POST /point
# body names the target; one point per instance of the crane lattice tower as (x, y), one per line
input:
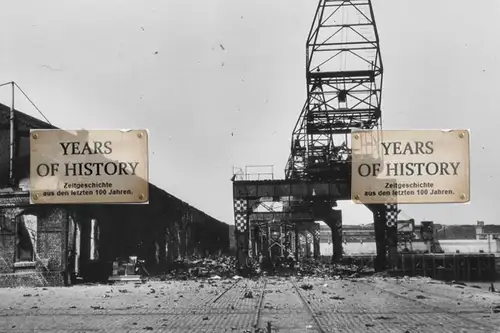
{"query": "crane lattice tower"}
(344, 90)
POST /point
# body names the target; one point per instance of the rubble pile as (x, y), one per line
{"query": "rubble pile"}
(312, 268)
(221, 266)
(193, 267)
(319, 269)
(225, 267)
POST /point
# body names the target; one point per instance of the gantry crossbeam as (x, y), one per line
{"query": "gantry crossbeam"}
(253, 190)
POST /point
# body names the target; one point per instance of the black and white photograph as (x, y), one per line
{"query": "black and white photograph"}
(284, 166)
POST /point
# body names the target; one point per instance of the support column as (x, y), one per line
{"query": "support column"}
(334, 221)
(242, 234)
(256, 240)
(288, 242)
(162, 243)
(297, 243)
(392, 245)
(269, 240)
(307, 237)
(265, 247)
(281, 240)
(183, 242)
(379, 223)
(241, 249)
(316, 240)
(177, 241)
(391, 217)
(252, 240)
(323, 210)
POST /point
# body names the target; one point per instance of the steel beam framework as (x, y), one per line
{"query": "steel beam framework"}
(344, 89)
(291, 190)
(344, 75)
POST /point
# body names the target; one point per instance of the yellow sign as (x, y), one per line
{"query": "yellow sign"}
(410, 166)
(98, 166)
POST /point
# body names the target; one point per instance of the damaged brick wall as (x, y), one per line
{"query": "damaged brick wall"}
(51, 238)
(48, 251)
(159, 232)
(7, 245)
(8, 238)
(48, 242)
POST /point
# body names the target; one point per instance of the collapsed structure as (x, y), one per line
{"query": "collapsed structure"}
(55, 244)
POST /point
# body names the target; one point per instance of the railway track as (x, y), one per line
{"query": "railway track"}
(308, 307)
(431, 306)
(215, 299)
(261, 325)
(266, 305)
(258, 310)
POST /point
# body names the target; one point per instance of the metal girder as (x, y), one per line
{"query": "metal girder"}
(253, 190)
(256, 217)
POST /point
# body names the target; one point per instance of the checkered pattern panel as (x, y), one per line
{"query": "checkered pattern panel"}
(391, 215)
(240, 222)
(240, 205)
(317, 234)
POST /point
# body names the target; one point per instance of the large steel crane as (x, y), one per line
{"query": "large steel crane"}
(344, 89)
(344, 74)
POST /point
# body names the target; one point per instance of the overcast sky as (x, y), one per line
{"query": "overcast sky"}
(221, 83)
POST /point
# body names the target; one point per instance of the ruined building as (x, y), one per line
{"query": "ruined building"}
(55, 244)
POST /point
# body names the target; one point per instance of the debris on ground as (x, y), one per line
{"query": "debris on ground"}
(383, 318)
(306, 286)
(194, 267)
(225, 267)
(337, 298)
(317, 268)
(248, 294)
(458, 283)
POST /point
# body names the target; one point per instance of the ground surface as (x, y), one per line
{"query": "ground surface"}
(349, 305)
